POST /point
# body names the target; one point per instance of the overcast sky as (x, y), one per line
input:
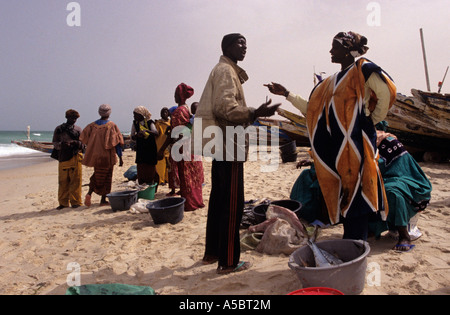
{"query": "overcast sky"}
(128, 53)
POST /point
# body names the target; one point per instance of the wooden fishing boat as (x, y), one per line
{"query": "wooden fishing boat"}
(293, 129)
(422, 122)
(128, 143)
(46, 147)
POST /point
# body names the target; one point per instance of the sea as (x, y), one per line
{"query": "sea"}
(14, 156)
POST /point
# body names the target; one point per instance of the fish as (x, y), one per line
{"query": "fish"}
(319, 257)
(322, 257)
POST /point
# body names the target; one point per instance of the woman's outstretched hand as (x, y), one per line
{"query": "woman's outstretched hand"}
(276, 88)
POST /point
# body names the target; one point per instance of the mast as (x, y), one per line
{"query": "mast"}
(425, 61)
(443, 80)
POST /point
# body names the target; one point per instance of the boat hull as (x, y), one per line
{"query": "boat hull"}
(46, 147)
(422, 121)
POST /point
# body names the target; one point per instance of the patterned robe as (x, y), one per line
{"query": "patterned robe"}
(343, 143)
(190, 172)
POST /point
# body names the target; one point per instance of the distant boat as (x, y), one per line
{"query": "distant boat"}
(422, 122)
(46, 147)
(128, 143)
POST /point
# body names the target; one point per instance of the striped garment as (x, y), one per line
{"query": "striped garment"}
(343, 143)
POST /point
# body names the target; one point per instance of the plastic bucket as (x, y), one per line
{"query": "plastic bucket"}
(289, 152)
(168, 210)
(349, 277)
(259, 211)
(122, 200)
(288, 148)
(286, 158)
(148, 193)
(317, 291)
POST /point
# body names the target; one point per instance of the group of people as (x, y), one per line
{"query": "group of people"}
(347, 184)
(100, 146)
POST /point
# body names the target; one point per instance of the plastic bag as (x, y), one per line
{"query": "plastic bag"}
(131, 173)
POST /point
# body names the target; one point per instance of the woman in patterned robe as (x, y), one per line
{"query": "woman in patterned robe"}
(190, 172)
(341, 114)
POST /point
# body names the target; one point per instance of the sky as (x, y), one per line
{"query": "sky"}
(129, 53)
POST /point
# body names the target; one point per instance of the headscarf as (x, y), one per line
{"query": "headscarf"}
(184, 92)
(354, 42)
(104, 110)
(72, 113)
(229, 40)
(143, 111)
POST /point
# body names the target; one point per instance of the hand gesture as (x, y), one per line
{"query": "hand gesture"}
(304, 163)
(276, 88)
(265, 110)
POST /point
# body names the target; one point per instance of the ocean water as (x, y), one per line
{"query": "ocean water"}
(13, 156)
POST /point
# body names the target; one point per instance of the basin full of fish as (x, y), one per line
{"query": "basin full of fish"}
(322, 258)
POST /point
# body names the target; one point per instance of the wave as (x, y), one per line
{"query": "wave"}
(13, 149)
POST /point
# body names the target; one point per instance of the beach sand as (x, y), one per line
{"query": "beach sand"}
(39, 244)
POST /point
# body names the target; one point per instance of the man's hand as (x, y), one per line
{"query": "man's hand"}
(265, 110)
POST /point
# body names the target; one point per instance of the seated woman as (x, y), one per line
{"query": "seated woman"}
(407, 188)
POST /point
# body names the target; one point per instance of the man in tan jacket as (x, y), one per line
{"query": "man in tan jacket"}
(222, 108)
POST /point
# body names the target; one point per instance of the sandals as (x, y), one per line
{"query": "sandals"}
(242, 266)
(400, 248)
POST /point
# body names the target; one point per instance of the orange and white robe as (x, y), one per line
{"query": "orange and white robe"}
(343, 142)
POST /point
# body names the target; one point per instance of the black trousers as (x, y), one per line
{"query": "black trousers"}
(356, 228)
(226, 206)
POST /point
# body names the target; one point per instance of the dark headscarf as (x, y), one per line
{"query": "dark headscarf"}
(355, 43)
(229, 40)
(184, 92)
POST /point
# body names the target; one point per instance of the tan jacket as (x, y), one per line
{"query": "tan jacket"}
(222, 105)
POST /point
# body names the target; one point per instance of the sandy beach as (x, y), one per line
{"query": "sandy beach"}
(38, 243)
